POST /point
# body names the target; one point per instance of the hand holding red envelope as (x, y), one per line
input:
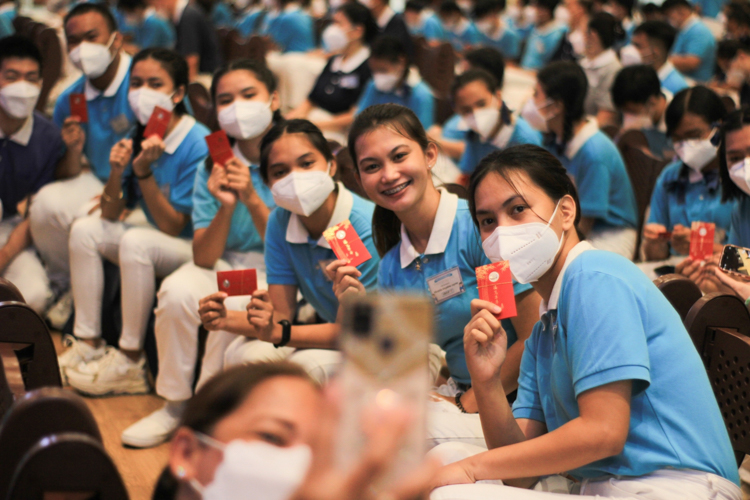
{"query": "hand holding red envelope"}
(346, 243)
(219, 147)
(79, 108)
(158, 123)
(702, 240)
(495, 285)
(240, 282)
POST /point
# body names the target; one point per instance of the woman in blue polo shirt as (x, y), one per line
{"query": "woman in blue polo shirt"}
(608, 208)
(231, 205)
(389, 62)
(298, 166)
(611, 389)
(289, 26)
(163, 172)
(478, 100)
(546, 36)
(688, 189)
(424, 234)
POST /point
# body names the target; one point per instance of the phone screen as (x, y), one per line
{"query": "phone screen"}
(736, 259)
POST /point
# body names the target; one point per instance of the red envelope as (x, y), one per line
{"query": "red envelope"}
(218, 146)
(346, 243)
(495, 285)
(240, 282)
(79, 108)
(158, 123)
(702, 240)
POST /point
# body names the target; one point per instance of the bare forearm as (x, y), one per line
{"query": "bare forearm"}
(259, 212)
(209, 243)
(69, 165)
(167, 219)
(499, 426)
(112, 204)
(19, 239)
(193, 61)
(511, 367)
(454, 149)
(685, 63)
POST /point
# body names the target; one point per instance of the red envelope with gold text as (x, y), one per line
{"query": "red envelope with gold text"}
(495, 285)
(346, 243)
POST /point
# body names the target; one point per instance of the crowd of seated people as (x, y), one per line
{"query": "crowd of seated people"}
(518, 156)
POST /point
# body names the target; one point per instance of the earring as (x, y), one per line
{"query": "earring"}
(180, 471)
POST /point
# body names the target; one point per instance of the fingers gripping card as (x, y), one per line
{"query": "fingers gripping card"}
(702, 240)
(346, 243)
(240, 282)
(496, 285)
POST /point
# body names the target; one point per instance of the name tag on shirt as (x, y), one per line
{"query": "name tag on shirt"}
(120, 123)
(446, 285)
(349, 82)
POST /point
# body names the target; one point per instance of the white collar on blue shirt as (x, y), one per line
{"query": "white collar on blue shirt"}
(23, 134)
(385, 17)
(555, 294)
(8, 7)
(665, 70)
(122, 71)
(352, 63)
(296, 231)
(583, 135)
(441, 230)
(178, 134)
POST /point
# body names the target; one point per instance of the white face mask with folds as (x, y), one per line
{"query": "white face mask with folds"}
(246, 119)
(143, 101)
(696, 153)
(334, 38)
(529, 248)
(19, 98)
(302, 193)
(740, 175)
(483, 120)
(533, 115)
(255, 469)
(92, 58)
(385, 82)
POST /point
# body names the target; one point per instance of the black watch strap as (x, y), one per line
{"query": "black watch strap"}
(286, 333)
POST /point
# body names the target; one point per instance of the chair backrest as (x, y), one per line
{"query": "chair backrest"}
(238, 47)
(19, 324)
(727, 358)
(611, 130)
(67, 462)
(6, 394)
(49, 45)
(9, 292)
(437, 65)
(680, 291)
(716, 310)
(22, 25)
(39, 413)
(200, 100)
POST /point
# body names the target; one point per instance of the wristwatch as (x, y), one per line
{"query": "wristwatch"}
(286, 333)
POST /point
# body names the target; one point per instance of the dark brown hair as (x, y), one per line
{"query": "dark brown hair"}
(736, 120)
(296, 126)
(386, 226)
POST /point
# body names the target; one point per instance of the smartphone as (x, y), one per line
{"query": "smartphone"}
(736, 260)
(385, 341)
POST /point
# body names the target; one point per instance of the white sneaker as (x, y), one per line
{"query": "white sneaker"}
(114, 373)
(155, 428)
(60, 312)
(77, 352)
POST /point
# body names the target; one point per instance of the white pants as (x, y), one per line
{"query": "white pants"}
(297, 73)
(143, 254)
(51, 214)
(664, 484)
(177, 322)
(446, 423)
(620, 240)
(26, 271)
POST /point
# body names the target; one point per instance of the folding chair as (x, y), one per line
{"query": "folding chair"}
(9, 292)
(680, 291)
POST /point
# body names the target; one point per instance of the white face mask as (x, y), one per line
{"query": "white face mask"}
(385, 82)
(486, 27)
(740, 175)
(246, 119)
(636, 122)
(534, 117)
(334, 38)
(255, 468)
(529, 248)
(143, 101)
(529, 15)
(19, 98)
(303, 193)
(483, 120)
(92, 58)
(696, 153)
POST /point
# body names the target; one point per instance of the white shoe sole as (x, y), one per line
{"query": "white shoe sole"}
(93, 389)
(150, 442)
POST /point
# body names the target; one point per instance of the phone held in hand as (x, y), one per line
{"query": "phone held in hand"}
(735, 260)
(385, 341)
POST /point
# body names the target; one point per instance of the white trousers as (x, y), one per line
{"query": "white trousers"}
(51, 214)
(143, 254)
(296, 73)
(620, 240)
(177, 323)
(446, 423)
(664, 484)
(26, 271)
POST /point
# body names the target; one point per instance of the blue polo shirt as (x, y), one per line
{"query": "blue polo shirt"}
(454, 245)
(110, 116)
(251, 23)
(674, 81)
(710, 8)
(476, 149)
(433, 29)
(468, 37)
(739, 232)
(606, 323)
(418, 99)
(676, 200)
(243, 236)
(154, 31)
(28, 160)
(175, 170)
(221, 15)
(541, 45)
(8, 12)
(292, 30)
(6, 26)
(597, 169)
(507, 41)
(452, 128)
(293, 258)
(696, 39)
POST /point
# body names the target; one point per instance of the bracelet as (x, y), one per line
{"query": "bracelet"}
(286, 333)
(458, 402)
(142, 177)
(110, 199)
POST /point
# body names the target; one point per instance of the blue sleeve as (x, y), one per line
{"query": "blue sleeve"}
(279, 269)
(528, 403)
(222, 15)
(205, 205)
(158, 33)
(181, 191)
(6, 27)
(450, 129)
(660, 204)
(433, 30)
(701, 45)
(423, 105)
(511, 43)
(62, 109)
(592, 180)
(367, 98)
(471, 37)
(605, 340)
(246, 25)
